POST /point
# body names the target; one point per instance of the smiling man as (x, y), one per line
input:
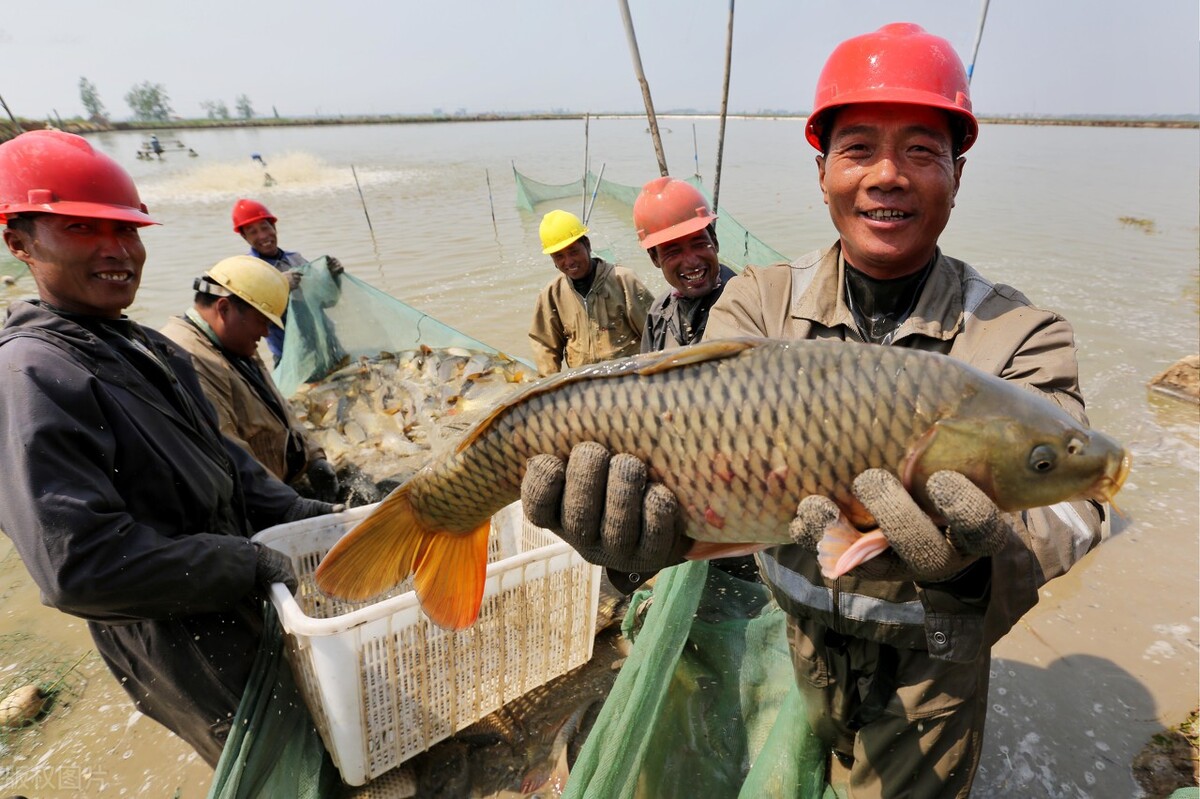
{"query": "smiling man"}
(892, 658)
(126, 504)
(678, 230)
(257, 226)
(593, 311)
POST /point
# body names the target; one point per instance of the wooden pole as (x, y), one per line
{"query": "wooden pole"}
(641, 76)
(724, 108)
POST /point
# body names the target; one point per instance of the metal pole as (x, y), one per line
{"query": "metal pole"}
(724, 108)
(588, 214)
(978, 39)
(641, 76)
(696, 151)
(583, 208)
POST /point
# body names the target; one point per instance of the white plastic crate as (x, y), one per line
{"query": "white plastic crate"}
(384, 683)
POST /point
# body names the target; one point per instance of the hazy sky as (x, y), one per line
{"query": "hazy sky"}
(307, 57)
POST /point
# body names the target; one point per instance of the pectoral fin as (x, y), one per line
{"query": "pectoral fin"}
(843, 548)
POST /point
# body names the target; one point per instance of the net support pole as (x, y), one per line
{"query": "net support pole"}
(586, 119)
(641, 76)
(724, 108)
(978, 39)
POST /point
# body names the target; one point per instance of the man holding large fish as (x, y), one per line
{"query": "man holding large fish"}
(958, 469)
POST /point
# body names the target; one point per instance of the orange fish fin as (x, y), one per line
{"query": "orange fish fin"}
(707, 550)
(842, 548)
(697, 353)
(376, 554)
(450, 574)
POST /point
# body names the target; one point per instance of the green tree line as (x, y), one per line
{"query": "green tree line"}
(150, 102)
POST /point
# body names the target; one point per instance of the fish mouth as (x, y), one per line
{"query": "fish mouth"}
(1110, 483)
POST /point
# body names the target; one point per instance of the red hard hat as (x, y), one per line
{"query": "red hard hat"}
(247, 212)
(53, 172)
(899, 63)
(668, 209)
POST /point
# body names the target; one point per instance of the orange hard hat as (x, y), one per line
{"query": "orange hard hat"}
(247, 212)
(899, 63)
(54, 172)
(668, 209)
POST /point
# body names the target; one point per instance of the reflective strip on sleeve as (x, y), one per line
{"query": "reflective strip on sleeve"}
(856, 607)
(1083, 538)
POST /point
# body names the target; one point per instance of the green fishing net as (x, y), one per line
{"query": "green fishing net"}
(706, 698)
(333, 319)
(273, 748)
(739, 246)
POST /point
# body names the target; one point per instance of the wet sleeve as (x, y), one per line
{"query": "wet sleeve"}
(85, 550)
(547, 338)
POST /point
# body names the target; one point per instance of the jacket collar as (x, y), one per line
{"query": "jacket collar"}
(937, 315)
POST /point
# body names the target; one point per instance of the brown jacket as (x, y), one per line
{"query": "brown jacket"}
(244, 417)
(572, 330)
(963, 315)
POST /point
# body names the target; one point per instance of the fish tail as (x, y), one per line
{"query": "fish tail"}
(376, 554)
(451, 571)
(842, 548)
(391, 544)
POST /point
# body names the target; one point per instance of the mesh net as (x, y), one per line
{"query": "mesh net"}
(707, 697)
(739, 246)
(334, 319)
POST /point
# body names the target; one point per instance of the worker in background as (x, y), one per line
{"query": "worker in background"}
(256, 225)
(678, 230)
(235, 302)
(126, 504)
(892, 659)
(593, 311)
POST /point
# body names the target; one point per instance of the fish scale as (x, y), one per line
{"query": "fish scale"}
(740, 431)
(827, 411)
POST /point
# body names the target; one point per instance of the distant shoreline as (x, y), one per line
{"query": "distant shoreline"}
(85, 127)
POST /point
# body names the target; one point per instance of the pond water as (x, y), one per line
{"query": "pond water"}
(1099, 224)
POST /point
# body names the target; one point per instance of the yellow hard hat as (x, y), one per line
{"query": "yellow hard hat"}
(257, 282)
(560, 229)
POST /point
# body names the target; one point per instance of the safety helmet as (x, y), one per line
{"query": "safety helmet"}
(257, 282)
(899, 63)
(53, 172)
(560, 229)
(668, 209)
(246, 212)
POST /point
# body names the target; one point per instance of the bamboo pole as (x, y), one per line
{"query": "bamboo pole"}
(724, 109)
(586, 166)
(641, 76)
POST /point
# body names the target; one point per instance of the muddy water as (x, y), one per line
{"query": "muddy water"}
(1099, 224)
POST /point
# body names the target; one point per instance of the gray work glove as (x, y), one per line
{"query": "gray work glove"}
(602, 507)
(323, 479)
(293, 279)
(920, 551)
(307, 508)
(273, 566)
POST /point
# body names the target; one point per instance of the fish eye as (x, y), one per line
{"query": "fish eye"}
(1074, 446)
(1043, 458)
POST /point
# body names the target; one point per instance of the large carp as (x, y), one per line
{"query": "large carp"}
(740, 430)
